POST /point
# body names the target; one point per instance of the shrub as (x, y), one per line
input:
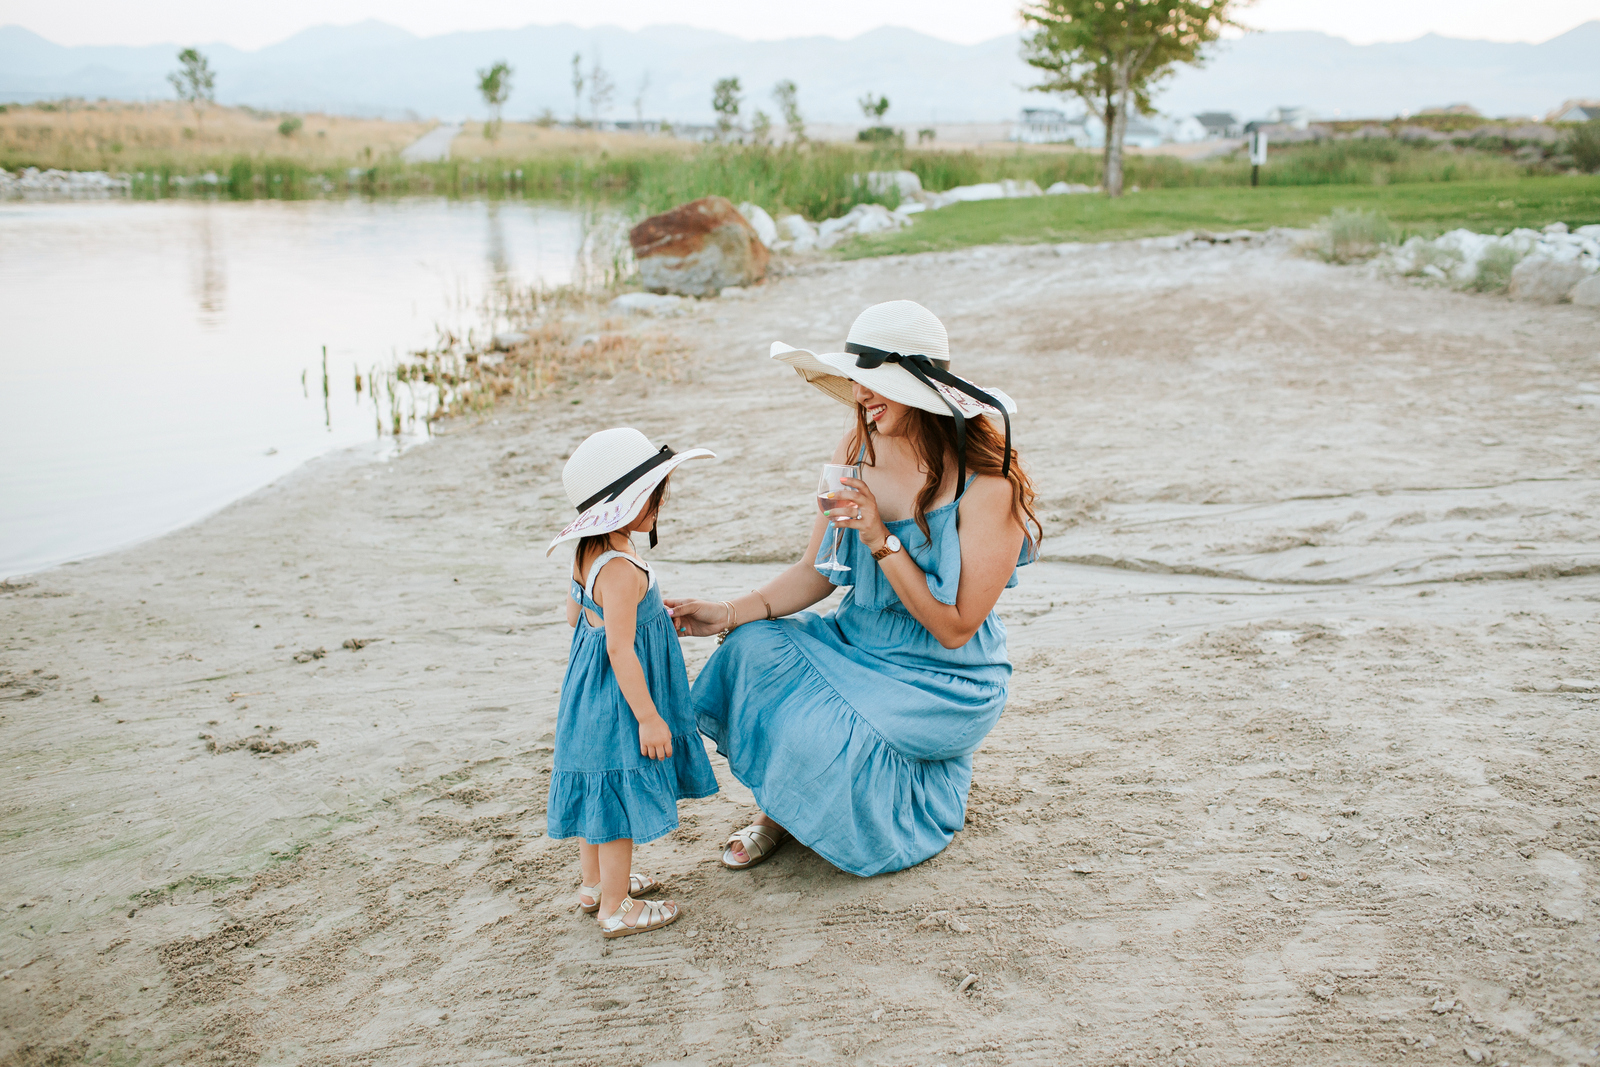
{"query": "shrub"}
(289, 126)
(1583, 144)
(1346, 236)
(1494, 270)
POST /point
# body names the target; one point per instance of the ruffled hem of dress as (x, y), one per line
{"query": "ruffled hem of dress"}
(640, 804)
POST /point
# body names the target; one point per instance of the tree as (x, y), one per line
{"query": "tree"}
(638, 98)
(1110, 53)
(787, 94)
(494, 85)
(194, 81)
(874, 109)
(725, 102)
(760, 127)
(577, 88)
(601, 89)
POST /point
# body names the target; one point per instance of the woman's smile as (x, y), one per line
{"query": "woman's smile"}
(875, 411)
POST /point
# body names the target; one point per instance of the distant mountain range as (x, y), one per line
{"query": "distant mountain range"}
(372, 68)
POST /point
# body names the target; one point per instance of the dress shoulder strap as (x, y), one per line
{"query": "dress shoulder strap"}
(606, 557)
(970, 479)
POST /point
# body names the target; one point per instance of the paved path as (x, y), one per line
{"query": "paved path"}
(433, 145)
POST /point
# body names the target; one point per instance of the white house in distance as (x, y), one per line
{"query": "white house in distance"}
(1039, 125)
(1575, 111)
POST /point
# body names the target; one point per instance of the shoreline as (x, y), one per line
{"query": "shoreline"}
(1295, 752)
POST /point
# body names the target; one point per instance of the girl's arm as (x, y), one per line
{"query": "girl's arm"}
(796, 588)
(619, 588)
(572, 610)
(991, 540)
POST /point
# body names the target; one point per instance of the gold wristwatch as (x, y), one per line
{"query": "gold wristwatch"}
(892, 544)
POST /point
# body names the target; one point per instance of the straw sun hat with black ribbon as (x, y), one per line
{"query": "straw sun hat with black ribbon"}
(610, 477)
(900, 351)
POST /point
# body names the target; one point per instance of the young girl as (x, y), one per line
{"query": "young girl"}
(626, 745)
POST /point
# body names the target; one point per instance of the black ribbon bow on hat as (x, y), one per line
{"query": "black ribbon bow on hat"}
(614, 490)
(927, 371)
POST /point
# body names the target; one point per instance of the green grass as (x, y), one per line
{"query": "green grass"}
(1419, 207)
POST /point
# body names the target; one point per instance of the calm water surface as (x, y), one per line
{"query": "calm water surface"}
(151, 354)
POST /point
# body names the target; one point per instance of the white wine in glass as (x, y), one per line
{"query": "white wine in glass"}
(828, 490)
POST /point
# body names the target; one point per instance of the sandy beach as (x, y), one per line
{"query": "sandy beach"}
(1299, 764)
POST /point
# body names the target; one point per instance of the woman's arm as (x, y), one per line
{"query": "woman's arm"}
(620, 585)
(572, 610)
(991, 540)
(796, 588)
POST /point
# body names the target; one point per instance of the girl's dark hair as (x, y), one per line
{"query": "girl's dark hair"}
(589, 548)
(933, 437)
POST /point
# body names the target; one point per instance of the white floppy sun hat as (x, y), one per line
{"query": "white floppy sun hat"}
(610, 477)
(900, 350)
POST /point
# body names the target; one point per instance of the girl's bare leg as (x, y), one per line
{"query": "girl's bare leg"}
(615, 860)
(589, 863)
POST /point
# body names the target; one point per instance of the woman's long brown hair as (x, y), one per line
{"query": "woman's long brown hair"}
(933, 437)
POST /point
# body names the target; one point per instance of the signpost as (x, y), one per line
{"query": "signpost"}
(1258, 155)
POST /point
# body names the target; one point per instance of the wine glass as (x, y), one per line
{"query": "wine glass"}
(828, 490)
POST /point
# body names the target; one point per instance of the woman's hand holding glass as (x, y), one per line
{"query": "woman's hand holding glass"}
(858, 511)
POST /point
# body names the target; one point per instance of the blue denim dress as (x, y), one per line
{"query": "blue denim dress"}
(855, 730)
(601, 788)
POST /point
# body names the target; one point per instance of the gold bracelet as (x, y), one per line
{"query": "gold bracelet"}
(733, 621)
(764, 602)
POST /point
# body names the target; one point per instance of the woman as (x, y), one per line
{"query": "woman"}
(855, 731)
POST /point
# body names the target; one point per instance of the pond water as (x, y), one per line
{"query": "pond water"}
(159, 360)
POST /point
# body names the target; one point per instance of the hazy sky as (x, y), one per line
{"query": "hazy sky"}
(254, 25)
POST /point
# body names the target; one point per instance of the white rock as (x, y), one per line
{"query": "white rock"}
(761, 222)
(1069, 188)
(649, 304)
(1587, 292)
(1556, 227)
(733, 292)
(881, 182)
(911, 208)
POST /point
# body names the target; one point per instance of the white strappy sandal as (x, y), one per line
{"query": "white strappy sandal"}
(758, 840)
(653, 915)
(638, 886)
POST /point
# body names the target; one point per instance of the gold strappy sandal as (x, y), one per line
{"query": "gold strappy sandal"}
(638, 886)
(759, 842)
(653, 915)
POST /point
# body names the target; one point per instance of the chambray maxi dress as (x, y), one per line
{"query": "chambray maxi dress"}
(601, 787)
(855, 730)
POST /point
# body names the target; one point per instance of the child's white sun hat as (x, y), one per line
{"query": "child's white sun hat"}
(900, 350)
(610, 477)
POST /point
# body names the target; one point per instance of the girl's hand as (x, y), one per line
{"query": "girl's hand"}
(655, 738)
(858, 511)
(697, 618)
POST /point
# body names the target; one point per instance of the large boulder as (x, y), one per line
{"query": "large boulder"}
(698, 249)
(1546, 281)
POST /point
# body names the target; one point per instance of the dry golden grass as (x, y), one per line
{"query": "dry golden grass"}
(130, 137)
(525, 140)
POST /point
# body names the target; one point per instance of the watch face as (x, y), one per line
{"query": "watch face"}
(892, 543)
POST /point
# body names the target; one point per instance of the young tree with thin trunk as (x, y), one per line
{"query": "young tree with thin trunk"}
(195, 82)
(494, 85)
(1110, 53)
(601, 88)
(638, 99)
(725, 100)
(577, 89)
(787, 94)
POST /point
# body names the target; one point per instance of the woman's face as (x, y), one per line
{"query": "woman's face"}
(888, 416)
